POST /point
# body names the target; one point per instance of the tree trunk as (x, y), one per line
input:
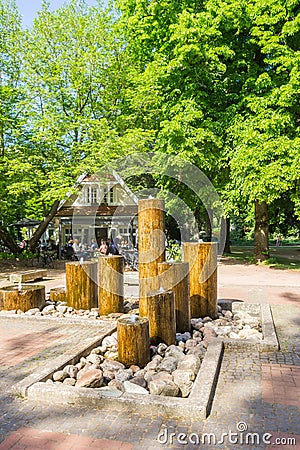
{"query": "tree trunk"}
(208, 223)
(9, 241)
(33, 242)
(261, 231)
(227, 248)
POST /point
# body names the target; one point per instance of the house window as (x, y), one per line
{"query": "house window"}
(92, 195)
(108, 197)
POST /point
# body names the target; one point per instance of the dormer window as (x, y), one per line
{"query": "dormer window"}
(92, 195)
(108, 196)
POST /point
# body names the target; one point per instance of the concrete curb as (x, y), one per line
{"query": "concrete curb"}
(196, 405)
(60, 320)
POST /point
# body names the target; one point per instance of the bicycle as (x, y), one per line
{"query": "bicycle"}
(47, 259)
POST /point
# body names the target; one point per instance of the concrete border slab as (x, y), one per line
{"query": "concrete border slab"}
(196, 405)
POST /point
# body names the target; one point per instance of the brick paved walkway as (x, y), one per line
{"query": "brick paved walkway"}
(259, 392)
(31, 438)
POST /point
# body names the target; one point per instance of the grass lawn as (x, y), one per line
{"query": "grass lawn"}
(284, 257)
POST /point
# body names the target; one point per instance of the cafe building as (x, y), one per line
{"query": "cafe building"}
(103, 207)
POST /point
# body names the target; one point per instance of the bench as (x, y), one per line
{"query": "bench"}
(28, 275)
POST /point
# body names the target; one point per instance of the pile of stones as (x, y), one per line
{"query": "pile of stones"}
(240, 325)
(171, 371)
(60, 309)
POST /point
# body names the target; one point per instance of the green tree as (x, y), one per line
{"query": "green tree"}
(74, 78)
(223, 80)
(11, 114)
(265, 136)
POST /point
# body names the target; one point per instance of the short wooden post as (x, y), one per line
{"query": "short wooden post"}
(81, 284)
(58, 294)
(133, 341)
(175, 276)
(202, 258)
(151, 234)
(25, 298)
(111, 284)
(161, 315)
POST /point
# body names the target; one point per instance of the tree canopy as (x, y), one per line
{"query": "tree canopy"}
(214, 82)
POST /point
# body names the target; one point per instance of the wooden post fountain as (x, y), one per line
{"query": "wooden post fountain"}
(23, 297)
(151, 233)
(58, 294)
(202, 258)
(111, 284)
(81, 284)
(161, 315)
(175, 277)
(133, 340)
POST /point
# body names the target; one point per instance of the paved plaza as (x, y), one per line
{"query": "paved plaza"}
(256, 403)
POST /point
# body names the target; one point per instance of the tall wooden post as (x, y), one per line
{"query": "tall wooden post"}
(111, 284)
(151, 239)
(81, 284)
(133, 341)
(161, 315)
(202, 258)
(175, 276)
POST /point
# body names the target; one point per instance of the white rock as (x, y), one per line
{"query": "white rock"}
(190, 362)
(32, 311)
(132, 388)
(71, 370)
(109, 341)
(61, 309)
(48, 309)
(60, 375)
(94, 359)
(184, 380)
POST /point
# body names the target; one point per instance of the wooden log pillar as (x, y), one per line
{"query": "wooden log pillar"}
(202, 258)
(111, 284)
(151, 241)
(25, 298)
(81, 284)
(58, 294)
(133, 340)
(175, 276)
(161, 315)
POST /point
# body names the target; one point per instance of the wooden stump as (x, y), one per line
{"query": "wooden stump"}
(111, 284)
(202, 258)
(175, 277)
(151, 233)
(161, 315)
(81, 285)
(58, 294)
(28, 297)
(133, 341)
